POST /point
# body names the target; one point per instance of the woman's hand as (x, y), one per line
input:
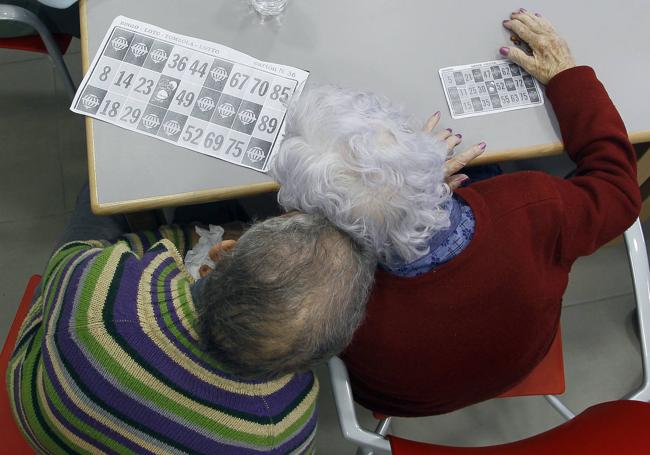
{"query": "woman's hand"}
(551, 54)
(457, 162)
(215, 253)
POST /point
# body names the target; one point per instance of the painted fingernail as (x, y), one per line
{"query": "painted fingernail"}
(437, 114)
(448, 129)
(482, 145)
(459, 136)
(505, 21)
(522, 10)
(538, 15)
(504, 51)
(460, 180)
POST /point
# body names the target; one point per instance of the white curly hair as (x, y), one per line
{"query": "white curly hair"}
(359, 160)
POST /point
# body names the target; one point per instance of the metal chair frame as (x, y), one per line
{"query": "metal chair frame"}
(60, 4)
(18, 14)
(370, 441)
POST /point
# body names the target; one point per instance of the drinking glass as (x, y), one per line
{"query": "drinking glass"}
(269, 7)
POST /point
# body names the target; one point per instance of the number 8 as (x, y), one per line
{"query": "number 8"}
(104, 75)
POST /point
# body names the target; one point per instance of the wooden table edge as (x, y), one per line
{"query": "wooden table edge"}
(90, 141)
(174, 200)
(197, 197)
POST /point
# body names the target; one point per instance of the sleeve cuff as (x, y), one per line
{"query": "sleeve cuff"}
(574, 84)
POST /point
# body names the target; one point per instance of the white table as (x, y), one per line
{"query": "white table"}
(391, 47)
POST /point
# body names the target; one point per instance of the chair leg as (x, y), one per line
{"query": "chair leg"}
(18, 14)
(638, 258)
(560, 407)
(382, 428)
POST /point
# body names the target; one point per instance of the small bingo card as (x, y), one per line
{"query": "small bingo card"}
(200, 95)
(489, 87)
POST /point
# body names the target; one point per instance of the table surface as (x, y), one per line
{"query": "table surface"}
(391, 47)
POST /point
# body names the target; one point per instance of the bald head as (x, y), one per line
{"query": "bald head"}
(288, 296)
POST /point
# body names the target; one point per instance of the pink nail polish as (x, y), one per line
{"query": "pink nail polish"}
(448, 129)
(437, 114)
(522, 10)
(482, 145)
(504, 51)
(464, 179)
(538, 15)
(459, 136)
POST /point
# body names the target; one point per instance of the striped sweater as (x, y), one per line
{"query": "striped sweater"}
(108, 360)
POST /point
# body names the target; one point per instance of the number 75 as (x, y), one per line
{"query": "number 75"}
(237, 146)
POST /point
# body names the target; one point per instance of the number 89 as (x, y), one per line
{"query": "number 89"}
(268, 124)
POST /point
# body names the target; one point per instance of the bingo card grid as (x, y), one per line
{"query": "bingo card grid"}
(215, 106)
(489, 87)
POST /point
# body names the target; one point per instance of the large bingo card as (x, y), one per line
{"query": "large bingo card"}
(200, 95)
(489, 87)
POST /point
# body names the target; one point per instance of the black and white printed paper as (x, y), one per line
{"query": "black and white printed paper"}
(200, 95)
(489, 87)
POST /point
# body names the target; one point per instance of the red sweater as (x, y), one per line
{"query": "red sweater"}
(475, 326)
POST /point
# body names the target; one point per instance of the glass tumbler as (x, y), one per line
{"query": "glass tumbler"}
(269, 7)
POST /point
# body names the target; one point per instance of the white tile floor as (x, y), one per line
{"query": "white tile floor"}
(43, 165)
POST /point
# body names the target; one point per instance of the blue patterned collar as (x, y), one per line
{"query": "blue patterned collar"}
(443, 245)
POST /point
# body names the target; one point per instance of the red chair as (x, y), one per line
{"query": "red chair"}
(13, 441)
(546, 379)
(44, 42)
(612, 428)
(607, 428)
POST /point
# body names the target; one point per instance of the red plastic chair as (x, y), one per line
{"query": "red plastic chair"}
(34, 43)
(612, 428)
(607, 428)
(43, 42)
(546, 379)
(13, 441)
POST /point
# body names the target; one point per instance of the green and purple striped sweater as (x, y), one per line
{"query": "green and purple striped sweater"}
(108, 361)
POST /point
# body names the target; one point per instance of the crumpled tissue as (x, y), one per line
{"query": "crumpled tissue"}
(198, 255)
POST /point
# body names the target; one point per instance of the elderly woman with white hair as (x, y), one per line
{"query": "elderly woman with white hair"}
(468, 296)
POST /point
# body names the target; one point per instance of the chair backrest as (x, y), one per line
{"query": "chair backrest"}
(547, 378)
(34, 43)
(641, 278)
(14, 13)
(614, 427)
(60, 4)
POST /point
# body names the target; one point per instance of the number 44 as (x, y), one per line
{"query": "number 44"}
(195, 68)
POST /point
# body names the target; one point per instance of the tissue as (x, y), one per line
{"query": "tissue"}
(198, 255)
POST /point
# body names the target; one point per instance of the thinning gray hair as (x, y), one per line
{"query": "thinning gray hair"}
(365, 165)
(288, 296)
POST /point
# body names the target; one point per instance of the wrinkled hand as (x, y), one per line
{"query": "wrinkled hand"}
(550, 53)
(218, 250)
(215, 254)
(454, 163)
